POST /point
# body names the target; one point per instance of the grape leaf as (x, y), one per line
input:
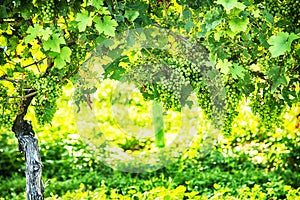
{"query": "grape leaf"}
(84, 20)
(63, 57)
(37, 31)
(188, 26)
(32, 33)
(236, 25)
(237, 71)
(54, 43)
(96, 3)
(281, 43)
(66, 53)
(45, 33)
(277, 78)
(187, 13)
(223, 66)
(230, 4)
(131, 15)
(107, 26)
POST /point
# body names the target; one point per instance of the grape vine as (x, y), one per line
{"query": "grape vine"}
(255, 46)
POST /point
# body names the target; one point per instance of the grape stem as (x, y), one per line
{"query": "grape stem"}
(26, 96)
(34, 63)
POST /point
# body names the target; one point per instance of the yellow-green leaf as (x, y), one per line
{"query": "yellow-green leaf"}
(84, 19)
(230, 4)
(106, 26)
(238, 25)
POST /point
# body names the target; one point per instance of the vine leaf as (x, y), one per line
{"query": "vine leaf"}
(107, 26)
(237, 71)
(37, 31)
(96, 3)
(131, 15)
(187, 13)
(45, 33)
(277, 78)
(188, 26)
(84, 20)
(63, 57)
(281, 43)
(32, 32)
(230, 4)
(224, 66)
(54, 43)
(238, 25)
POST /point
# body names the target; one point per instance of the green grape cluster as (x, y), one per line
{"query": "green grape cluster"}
(47, 10)
(196, 3)
(78, 53)
(268, 107)
(233, 97)
(204, 99)
(45, 101)
(158, 79)
(288, 10)
(5, 120)
(170, 79)
(9, 107)
(3, 91)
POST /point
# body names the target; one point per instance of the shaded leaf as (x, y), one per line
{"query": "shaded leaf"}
(187, 13)
(188, 26)
(131, 15)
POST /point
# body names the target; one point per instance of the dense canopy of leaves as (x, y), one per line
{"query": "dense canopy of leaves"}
(44, 43)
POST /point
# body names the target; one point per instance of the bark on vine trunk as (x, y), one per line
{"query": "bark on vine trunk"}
(28, 145)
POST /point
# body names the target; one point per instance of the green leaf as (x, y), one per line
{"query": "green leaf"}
(107, 26)
(84, 20)
(54, 43)
(188, 26)
(32, 32)
(238, 25)
(281, 43)
(59, 62)
(237, 71)
(187, 13)
(45, 33)
(131, 15)
(66, 53)
(268, 16)
(3, 12)
(113, 70)
(37, 31)
(277, 78)
(224, 66)
(96, 3)
(281, 80)
(230, 4)
(63, 57)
